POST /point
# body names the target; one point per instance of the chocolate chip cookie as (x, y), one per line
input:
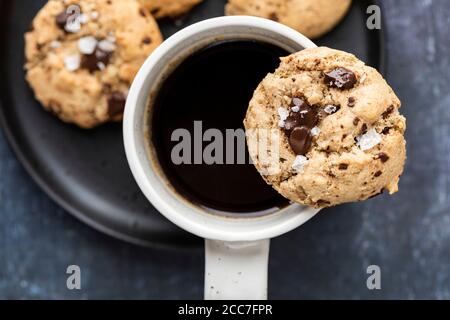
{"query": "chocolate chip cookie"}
(82, 55)
(169, 8)
(313, 18)
(325, 129)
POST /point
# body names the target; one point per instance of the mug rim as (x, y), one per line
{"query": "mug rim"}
(207, 226)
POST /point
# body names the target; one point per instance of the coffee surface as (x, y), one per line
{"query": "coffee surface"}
(214, 86)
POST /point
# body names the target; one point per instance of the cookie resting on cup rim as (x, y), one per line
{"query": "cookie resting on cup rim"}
(340, 134)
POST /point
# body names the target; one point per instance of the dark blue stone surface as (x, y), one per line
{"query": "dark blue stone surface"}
(407, 235)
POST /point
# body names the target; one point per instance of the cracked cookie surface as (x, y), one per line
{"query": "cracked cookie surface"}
(81, 56)
(354, 148)
(313, 18)
(169, 8)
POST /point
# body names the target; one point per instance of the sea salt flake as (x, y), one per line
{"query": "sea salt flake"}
(299, 163)
(72, 62)
(295, 109)
(87, 45)
(101, 65)
(107, 46)
(73, 26)
(369, 140)
(330, 109)
(283, 113)
(315, 131)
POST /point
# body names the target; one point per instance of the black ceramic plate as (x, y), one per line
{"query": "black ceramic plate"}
(86, 172)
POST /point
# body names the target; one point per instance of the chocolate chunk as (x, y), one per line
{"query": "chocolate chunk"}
(340, 78)
(364, 128)
(356, 121)
(298, 125)
(147, 40)
(351, 102)
(300, 140)
(343, 166)
(388, 112)
(377, 174)
(116, 103)
(383, 157)
(386, 130)
(306, 116)
(93, 61)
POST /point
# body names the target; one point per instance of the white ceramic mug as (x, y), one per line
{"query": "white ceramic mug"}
(236, 247)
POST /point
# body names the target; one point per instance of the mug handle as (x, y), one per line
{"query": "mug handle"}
(236, 270)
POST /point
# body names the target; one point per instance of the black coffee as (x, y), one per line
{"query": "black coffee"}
(214, 86)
